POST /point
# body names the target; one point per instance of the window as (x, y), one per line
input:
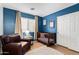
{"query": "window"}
(24, 23)
(28, 25)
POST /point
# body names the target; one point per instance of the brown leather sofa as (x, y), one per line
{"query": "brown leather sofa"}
(14, 45)
(46, 38)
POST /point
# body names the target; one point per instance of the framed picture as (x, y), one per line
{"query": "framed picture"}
(44, 22)
(51, 24)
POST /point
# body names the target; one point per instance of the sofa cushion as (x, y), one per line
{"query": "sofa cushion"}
(19, 44)
(23, 43)
(44, 40)
(14, 38)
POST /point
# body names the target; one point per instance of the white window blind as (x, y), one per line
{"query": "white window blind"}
(28, 24)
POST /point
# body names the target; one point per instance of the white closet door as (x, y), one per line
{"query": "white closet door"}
(76, 32)
(68, 31)
(1, 20)
(59, 31)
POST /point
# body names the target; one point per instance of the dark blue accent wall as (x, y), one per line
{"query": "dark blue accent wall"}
(40, 24)
(54, 16)
(9, 18)
(27, 15)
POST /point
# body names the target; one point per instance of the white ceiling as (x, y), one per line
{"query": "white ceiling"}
(41, 9)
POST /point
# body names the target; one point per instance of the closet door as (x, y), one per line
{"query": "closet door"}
(68, 30)
(1, 20)
(62, 31)
(75, 35)
(59, 31)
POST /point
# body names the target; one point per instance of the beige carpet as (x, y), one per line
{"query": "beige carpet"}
(44, 50)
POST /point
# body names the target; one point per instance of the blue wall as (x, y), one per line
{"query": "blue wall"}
(9, 17)
(40, 24)
(27, 15)
(54, 16)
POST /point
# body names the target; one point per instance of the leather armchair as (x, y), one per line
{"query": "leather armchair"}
(13, 44)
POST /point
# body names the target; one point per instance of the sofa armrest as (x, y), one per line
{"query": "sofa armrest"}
(12, 45)
(13, 48)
